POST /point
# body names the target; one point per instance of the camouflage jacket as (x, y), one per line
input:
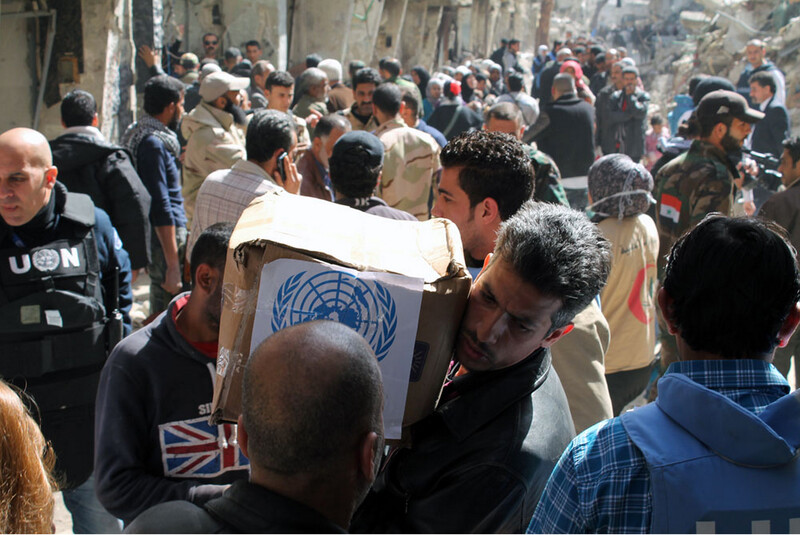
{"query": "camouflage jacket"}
(357, 123)
(688, 188)
(411, 159)
(547, 178)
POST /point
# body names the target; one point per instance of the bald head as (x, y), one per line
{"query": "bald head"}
(27, 175)
(311, 393)
(30, 143)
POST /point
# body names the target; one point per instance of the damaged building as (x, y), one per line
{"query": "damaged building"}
(54, 46)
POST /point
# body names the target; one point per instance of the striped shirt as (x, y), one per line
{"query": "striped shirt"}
(602, 484)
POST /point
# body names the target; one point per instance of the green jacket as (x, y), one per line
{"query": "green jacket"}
(547, 178)
(688, 188)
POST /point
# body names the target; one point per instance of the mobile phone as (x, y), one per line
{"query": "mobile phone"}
(281, 166)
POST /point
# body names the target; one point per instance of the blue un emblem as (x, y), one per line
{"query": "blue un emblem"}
(367, 307)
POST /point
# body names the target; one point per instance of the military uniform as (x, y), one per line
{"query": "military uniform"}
(547, 178)
(306, 105)
(689, 187)
(411, 159)
(357, 122)
(303, 139)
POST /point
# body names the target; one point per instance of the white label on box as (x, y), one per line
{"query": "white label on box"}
(381, 307)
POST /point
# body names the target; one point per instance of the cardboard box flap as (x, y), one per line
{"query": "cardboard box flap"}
(376, 243)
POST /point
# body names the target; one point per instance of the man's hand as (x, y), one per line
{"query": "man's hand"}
(749, 208)
(149, 56)
(293, 178)
(172, 281)
(313, 118)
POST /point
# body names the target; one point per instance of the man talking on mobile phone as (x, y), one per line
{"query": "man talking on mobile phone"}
(226, 193)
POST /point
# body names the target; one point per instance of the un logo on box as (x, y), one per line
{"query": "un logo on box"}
(367, 307)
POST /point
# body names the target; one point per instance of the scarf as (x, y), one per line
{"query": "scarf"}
(145, 126)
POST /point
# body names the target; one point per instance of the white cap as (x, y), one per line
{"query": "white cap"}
(217, 84)
(332, 69)
(207, 69)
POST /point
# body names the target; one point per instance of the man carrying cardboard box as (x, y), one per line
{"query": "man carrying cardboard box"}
(153, 442)
(480, 461)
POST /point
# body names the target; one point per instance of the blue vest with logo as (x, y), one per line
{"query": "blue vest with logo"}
(716, 467)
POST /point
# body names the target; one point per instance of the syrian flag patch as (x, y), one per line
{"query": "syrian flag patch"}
(670, 207)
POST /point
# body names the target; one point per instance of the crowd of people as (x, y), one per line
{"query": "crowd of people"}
(608, 270)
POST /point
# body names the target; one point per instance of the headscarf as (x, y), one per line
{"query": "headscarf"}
(571, 63)
(437, 82)
(424, 78)
(619, 187)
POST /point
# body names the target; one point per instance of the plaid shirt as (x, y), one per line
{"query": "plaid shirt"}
(602, 484)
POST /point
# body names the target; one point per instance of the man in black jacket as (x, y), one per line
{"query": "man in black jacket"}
(569, 137)
(88, 164)
(480, 461)
(769, 132)
(628, 115)
(311, 425)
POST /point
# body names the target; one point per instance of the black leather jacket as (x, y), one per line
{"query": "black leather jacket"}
(479, 463)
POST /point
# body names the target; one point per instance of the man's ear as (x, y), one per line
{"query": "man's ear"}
(241, 436)
(488, 211)
(207, 278)
(556, 335)
(402, 107)
(789, 325)
(95, 122)
(368, 456)
(665, 302)
(50, 177)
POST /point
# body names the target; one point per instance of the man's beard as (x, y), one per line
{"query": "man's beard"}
(173, 123)
(239, 116)
(730, 143)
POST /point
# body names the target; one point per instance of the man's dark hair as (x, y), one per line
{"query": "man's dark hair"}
(600, 58)
(493, 165)
(793, 146)
(232, 53)
(78, 108)
(254, 43)
(329, 123)
(387, 98)
(596, 50)
(693, 81)
(355, 66)
(161, 91)
(353, 180)
(312, 419)
(367, 75)
(280, 79)
(557, 44)
(312, 60)
(392, 66)
(268, 132)
(505, 111)
(733, 282)
(515, 81)
(707, 124)
(764, 79)
(411, 102)
(579, 50)
(513, 41)
(558, 251)
(211, 248)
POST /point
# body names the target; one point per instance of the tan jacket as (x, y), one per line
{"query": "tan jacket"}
(357, 123)
(578, 359)
(213, 142)
(629, 302)
(411, 159)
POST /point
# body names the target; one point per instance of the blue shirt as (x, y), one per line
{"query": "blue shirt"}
(435, 134)
(602, 484)
(158, 169)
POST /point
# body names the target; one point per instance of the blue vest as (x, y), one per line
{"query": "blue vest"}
(716, 467)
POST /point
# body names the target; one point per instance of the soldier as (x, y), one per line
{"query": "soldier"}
(701, 180)
(412, 156)
(505, 117)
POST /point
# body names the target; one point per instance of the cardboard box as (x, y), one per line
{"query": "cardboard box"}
(279, 230)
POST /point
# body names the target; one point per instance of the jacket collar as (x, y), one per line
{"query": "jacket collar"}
(391, 124)
(482, 396)
(707, 150)
(207, 114)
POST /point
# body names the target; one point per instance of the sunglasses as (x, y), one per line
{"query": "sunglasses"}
(210, 42)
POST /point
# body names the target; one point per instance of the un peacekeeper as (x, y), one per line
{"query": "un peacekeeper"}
(64, 301)
(701, 180)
